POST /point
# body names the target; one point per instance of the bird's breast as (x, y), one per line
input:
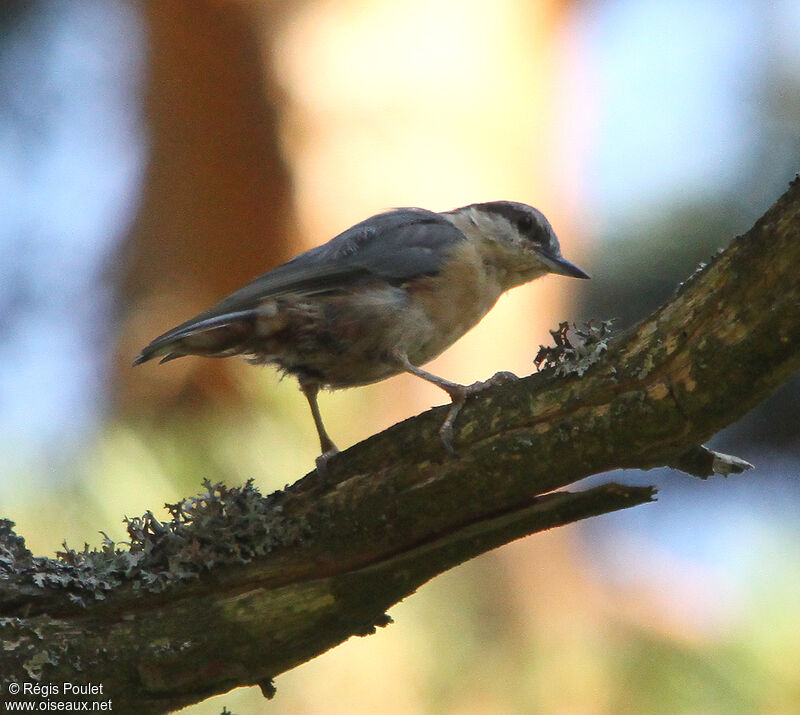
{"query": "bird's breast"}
(453, 301)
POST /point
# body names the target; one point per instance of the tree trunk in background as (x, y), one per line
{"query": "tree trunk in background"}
(216, 206)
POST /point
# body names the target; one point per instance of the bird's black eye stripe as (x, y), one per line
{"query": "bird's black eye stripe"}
(520, 216)
(526, 226)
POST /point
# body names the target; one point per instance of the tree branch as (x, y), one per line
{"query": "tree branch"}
(238, 588)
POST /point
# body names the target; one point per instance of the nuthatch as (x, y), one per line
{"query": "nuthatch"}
(384, 297)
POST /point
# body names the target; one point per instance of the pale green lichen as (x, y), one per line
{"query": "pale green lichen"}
(574, 355)
(221, 525)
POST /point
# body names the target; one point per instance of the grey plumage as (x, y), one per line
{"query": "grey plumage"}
(394, 247)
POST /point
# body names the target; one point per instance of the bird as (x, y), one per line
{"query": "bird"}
(382, 298)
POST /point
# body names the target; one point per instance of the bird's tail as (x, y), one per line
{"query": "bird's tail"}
(217, 336)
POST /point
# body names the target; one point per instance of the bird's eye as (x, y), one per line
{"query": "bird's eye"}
(525, 224)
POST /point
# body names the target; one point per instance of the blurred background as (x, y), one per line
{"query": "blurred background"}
(155, 155)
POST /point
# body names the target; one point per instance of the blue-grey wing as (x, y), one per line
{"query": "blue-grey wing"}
(395, 246)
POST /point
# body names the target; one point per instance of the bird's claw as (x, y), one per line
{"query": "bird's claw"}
(446, 431)
(322, 462)
(499, 378)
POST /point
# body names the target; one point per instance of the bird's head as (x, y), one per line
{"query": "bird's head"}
(519, 238)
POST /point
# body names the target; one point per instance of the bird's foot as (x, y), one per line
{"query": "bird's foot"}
(459, 394)
(322, 462)
(499, 378)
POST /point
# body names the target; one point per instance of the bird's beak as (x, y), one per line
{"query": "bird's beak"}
(562, 266)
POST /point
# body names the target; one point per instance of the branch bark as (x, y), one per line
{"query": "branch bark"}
(396, 509)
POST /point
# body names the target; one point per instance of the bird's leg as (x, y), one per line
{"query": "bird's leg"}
(458, 394)
(325, 442)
